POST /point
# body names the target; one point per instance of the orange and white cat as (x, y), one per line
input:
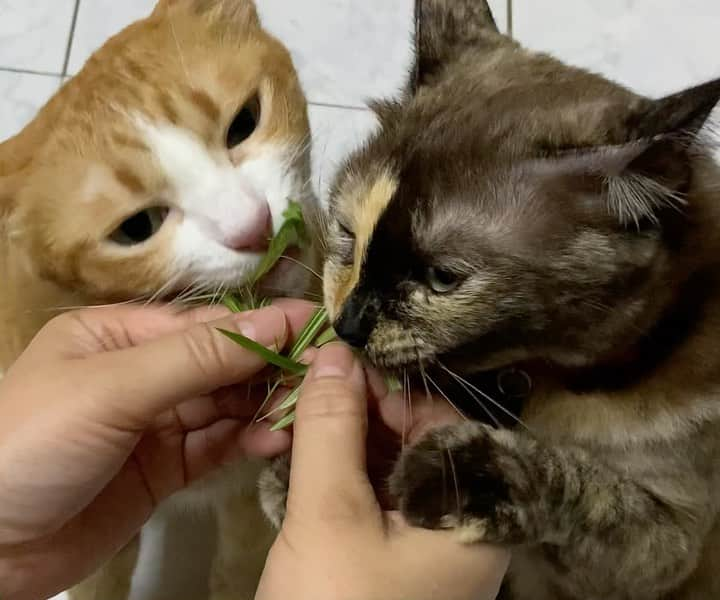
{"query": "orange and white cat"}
(161, 169)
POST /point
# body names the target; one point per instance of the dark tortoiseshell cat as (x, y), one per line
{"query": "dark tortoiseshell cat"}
(516, 212)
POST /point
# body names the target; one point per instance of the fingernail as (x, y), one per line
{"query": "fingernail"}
(333, 361)
(266, 326)
(248, 329)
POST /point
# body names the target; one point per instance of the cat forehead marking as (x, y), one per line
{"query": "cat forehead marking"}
(365, 202)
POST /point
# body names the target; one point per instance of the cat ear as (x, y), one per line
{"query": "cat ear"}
(685, 112)
(443, 28)
(654, 168)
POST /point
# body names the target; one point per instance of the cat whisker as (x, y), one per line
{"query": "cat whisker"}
(178, 299)
(446, 397)
(310, 296)
(303, 265)
(219, 294)
(405, 392)
(423, 376)
(193, 293)
(85, 306)
(409, 395)
(494, 402)
(479, 402)
(190, 292)
(169, 284)
(456, 483)
(300, 148)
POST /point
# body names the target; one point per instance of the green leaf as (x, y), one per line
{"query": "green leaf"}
(232, 303)
(393, 383)
(267, 355)
(309, 333)
(291, 234)
(284, 423)
(290, 401)
(326, 337)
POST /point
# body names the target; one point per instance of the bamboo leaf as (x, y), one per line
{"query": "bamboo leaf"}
(393, 383)
(288, 403)
(309, 333)
(232, 303)
(292, 233)
(326, 337)
(284, 423)
(267, 355)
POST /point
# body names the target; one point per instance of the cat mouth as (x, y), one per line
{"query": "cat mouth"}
(411, 357)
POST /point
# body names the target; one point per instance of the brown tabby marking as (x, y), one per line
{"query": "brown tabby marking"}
(372, 200)
(546, 220)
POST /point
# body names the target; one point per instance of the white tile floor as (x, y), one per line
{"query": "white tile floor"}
(350, 50)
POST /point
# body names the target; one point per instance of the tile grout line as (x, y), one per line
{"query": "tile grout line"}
(343, 106)
(510, 18)
(29, 72)
(60, 75)
(71, 36)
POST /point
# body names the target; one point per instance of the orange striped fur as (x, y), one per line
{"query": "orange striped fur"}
(102, 150)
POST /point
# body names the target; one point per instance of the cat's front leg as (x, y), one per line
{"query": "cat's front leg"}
(274, 485)
(608, 536)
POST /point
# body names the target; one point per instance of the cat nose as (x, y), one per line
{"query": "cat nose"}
(356, 322)
(256, 234)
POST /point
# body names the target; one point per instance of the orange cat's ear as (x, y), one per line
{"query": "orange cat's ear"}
(161, 7)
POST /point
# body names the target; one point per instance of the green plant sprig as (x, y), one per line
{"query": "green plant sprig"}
(316, 332)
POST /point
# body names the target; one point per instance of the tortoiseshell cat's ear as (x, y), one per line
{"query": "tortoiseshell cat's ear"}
(653, 167)
(443, 29)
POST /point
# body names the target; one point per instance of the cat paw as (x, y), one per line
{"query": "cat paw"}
(456, 478)
(274, 484)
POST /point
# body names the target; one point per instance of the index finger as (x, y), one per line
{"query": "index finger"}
(328, 474)
(90, 331)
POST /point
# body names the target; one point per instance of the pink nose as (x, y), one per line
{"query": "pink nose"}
(255, 234)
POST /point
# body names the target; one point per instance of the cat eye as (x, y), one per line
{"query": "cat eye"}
(442, 281)
(244, 124)
(346, 245)
(345, 231)
(140, 227)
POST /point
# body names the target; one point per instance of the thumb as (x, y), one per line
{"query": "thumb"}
(144, 381)
(329, 476)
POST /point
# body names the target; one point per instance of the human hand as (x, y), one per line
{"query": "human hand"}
(107, 413)
(336, 542)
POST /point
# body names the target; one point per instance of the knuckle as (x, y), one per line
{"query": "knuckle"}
(329, 400)
(204, 351)
(64, 322)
